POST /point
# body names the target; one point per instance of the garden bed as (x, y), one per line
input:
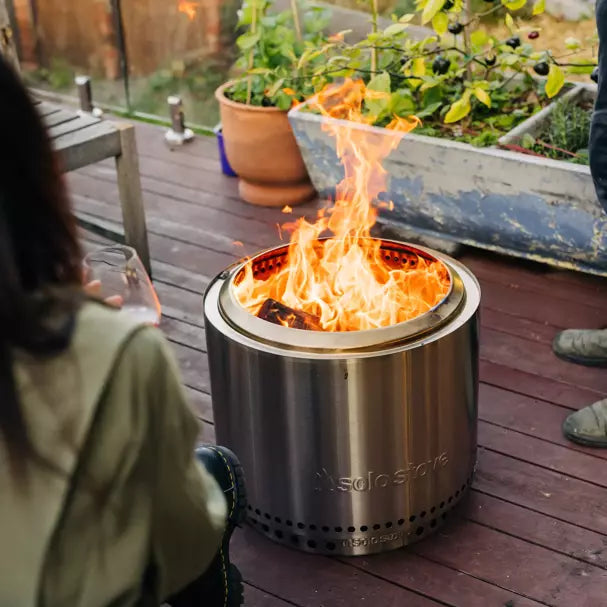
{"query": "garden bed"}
(524, 205)
(560, 131)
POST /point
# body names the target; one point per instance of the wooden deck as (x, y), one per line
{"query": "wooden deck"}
(534, 531)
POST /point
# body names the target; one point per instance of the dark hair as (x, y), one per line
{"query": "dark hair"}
(39, 250)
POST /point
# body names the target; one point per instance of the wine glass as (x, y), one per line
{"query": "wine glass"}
(121, 273)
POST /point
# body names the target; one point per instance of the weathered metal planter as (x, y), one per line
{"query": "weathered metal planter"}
(531, 207)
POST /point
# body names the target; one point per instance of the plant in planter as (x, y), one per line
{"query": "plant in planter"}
(465, 85)
(278, 56)
(565, 134)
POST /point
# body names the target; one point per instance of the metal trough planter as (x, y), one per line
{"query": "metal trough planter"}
(540, 209)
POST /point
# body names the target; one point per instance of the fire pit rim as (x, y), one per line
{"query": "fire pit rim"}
(392, 336)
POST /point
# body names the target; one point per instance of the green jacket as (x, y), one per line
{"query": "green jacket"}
(114, 510)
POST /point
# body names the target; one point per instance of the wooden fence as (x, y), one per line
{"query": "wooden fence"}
(83, 33)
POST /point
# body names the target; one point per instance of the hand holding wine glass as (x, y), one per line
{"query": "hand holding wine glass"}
(117, 275)
(93, 289)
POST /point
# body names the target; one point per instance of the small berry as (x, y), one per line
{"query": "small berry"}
(404, 60)
(533, 35)
(449, 4)
(541, 68)
(456, 28)
(489, 61)
(440, 65)
(513, 42)
(594, 76)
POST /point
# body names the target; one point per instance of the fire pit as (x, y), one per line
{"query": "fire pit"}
(352, 442)
(344, 373)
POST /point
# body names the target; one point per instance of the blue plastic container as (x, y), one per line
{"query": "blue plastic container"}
(226, 169)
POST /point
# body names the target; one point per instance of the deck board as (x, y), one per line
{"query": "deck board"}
(534, 531)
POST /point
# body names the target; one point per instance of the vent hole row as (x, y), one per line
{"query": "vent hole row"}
(265, 266)
(364, 528)
(404, 259)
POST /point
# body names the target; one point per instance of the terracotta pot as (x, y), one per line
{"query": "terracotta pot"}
(262, 150)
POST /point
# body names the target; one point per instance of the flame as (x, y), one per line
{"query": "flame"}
(287, 209)
(189, 8)
(345, 280)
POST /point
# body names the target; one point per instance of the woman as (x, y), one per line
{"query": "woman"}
(102, 499)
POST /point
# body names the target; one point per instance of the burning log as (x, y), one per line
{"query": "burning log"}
(279, 314)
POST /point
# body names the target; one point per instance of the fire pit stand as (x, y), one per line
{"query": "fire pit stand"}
(352, 442)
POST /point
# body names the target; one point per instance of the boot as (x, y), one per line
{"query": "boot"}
(221, 584)
(583, 347)
(588, 426)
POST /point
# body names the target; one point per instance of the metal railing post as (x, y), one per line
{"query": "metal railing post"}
(178, 134)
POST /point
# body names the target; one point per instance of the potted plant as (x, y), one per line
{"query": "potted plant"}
(278, 51)
(450, 178)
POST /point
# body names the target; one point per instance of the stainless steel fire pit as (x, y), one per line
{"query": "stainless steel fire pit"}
(354, 442)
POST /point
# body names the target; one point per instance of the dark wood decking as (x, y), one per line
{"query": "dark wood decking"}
(534, 531)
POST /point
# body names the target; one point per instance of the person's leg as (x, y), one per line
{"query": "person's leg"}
(221, 584)
(588, 426)
(589, 347)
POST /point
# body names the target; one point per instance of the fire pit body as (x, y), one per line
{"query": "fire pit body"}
(352, 442)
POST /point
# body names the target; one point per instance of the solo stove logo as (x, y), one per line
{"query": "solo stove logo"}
(325, 481)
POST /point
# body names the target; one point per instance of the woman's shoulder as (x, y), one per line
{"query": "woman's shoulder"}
(102, 328)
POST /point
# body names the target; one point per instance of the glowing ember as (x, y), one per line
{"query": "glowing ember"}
(344, 280)
(189, 8)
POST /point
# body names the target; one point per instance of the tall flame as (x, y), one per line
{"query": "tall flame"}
(344, 280)
(188, 7)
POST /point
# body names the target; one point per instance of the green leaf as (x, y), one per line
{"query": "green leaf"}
(245, 15)
(401, 103)
(260, 71)
(440, 22)
(339, 59)
(555, 81)
(406, 18)
(572, 43)
(509, 22)
(248, 40)
(509, 59)
(418, 69)
(458, 110)
(381, 83)
(514, 5)
(305, 57)
(432, 96)
(528, 141)
(395, 28)
(582, 69)
(429, 84)
(479, 37)
(482, 96)
(275, 87)
(539, 7)
(283, 101)
(429, 110)
(432, 7)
